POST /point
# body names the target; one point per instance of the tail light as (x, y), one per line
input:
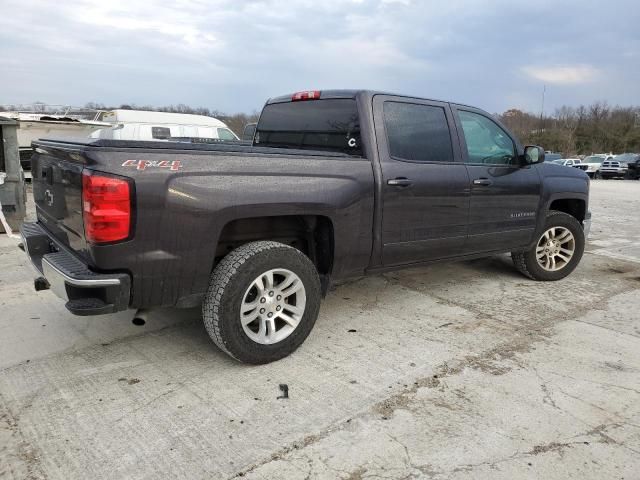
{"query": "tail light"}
(310, 95)
(106, 207)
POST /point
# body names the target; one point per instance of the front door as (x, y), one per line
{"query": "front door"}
(425, 187)
(505, 193)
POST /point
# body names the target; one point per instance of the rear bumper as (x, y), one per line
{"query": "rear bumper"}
(85, 291)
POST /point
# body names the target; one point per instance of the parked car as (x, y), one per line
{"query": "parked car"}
(161, 126)
(615, 167)
(338, 184)
(571, 162)
(633, 166)
(594, 163)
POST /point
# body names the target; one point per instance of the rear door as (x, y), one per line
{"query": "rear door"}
(425, 190)
(505, 194)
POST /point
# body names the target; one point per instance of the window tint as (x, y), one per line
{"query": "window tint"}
(161, 132)
(331, 125)
(225, 134)
(486, 141)
(417, 132)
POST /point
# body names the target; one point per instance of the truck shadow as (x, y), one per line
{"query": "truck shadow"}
(499, 264)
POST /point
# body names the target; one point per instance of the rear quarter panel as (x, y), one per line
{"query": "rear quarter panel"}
(180, 214)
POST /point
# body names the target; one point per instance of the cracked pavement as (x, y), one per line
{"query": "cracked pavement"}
(461, 371)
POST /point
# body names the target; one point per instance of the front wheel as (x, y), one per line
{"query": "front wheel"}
(556, 253)
(596, 175)
(262, 302)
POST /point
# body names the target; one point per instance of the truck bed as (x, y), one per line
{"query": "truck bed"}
(173, 146)
(184, 218)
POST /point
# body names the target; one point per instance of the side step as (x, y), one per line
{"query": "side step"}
(89, 306)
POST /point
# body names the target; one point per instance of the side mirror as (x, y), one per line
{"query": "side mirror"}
(533, 154)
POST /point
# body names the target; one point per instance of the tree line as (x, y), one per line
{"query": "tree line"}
(583, 130)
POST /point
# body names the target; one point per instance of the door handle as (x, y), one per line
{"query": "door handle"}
(399, 182)
(485, 182)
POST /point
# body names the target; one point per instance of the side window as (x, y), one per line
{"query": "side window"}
(161, 132)
(417, 132)
(225, 134)
(486, 141)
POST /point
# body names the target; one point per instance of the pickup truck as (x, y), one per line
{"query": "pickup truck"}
(337, 184)
(571, 162)
(633, 166)
(613, 168)
(622, 166)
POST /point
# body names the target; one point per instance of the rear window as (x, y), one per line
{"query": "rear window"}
(329, 125)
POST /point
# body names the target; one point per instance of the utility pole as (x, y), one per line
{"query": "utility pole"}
(544, 89)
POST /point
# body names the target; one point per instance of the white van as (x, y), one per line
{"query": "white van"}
(145, 125)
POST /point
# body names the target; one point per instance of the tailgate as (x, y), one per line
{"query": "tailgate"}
(57, 191)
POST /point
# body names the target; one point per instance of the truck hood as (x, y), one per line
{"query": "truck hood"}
(553, 170)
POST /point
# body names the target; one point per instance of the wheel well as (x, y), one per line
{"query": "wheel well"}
(311, 234)
(574, 207)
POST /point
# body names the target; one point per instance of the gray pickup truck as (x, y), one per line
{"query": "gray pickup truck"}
(337, 184)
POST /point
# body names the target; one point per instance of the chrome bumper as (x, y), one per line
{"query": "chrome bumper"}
(85, 291)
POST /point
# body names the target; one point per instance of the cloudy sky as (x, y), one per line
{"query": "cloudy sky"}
(231, 55)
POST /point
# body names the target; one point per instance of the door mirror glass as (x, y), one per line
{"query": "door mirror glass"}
(533, 154)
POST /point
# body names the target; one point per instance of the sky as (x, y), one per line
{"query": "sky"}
(231, 55)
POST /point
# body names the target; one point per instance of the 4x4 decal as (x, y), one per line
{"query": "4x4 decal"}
(144, 164)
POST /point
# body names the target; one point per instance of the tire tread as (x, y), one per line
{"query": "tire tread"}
(220, 278)
(519, 258)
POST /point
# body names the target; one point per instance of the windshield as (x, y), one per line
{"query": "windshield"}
(625, 157)
(331, 125)
(559, 162)
(594, 159)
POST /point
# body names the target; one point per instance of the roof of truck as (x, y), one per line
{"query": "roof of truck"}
(353, 93)
(159, 118)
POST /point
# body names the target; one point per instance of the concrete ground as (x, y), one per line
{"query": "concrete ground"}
(462, 371)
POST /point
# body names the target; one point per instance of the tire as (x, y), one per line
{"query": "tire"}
(233, 285)
(527, 263)
(596, 175)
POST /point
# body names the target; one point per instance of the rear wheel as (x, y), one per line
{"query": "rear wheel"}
(556, 253)
(262, 302)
